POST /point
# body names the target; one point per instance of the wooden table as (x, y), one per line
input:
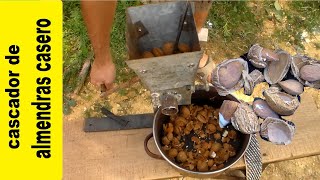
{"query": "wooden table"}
(120, 154)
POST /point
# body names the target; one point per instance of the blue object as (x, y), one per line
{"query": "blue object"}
(223, 122)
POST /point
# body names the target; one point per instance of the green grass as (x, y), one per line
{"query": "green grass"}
(76, 44)
(231, 19)
(305, 15)
(123, 92)
(291, 22)
(238, 24)
(96, 110)
(234, 23)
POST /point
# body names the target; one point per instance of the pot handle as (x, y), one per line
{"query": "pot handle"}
(151, 154)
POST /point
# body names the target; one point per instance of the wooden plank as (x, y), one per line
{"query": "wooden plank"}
(120, 154)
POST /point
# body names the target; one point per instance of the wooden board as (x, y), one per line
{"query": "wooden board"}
(120, 154)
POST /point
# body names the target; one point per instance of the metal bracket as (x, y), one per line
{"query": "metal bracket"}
(141, 30)
(113, 123)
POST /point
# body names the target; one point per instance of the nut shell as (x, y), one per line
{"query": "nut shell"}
(278, 131)
(216, 147)
(280, 102)
(157, 52)
(258, 56)
(184, 47)
(310, 72)
(254, 56)
(173, 153)
(298, 62)
(262, 109)
(245, 120)
(202, 166)
(248, 83)
(230, 74)
(292, 86)
(256, 76)
(182, 156)
(168, 48)
(220, 79)
(165, 140)
(147, 54)
(185, 112)
(277, 70)
(269, 55)
(226, 112)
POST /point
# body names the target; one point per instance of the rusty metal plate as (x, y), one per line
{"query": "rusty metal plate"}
(161, 21)
(108, 124)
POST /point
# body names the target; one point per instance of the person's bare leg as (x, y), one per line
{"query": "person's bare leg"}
(98, 17)
(201, 12)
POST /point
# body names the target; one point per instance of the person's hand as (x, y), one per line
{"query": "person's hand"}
(103, 72)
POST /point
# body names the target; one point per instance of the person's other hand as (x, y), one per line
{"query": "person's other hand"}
(103, 72)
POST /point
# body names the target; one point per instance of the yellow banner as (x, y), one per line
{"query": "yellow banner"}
(31, 90)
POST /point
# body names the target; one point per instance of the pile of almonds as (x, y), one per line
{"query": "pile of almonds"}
(166, 49)
(194, 139)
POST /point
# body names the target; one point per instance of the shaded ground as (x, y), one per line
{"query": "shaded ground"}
(294, 28)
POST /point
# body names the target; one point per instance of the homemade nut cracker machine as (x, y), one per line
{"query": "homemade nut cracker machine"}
(170, 78)
(171, 81)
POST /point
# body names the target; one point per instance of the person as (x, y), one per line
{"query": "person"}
(98, 17)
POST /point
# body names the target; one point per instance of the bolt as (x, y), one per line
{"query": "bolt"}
(191, 65)
(143, 71)
(179, 97)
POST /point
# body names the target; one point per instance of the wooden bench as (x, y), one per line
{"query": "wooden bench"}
(120, 154)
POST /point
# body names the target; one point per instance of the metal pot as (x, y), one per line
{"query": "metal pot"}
(200, 97)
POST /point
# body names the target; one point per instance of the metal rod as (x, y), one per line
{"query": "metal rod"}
(184, 15)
